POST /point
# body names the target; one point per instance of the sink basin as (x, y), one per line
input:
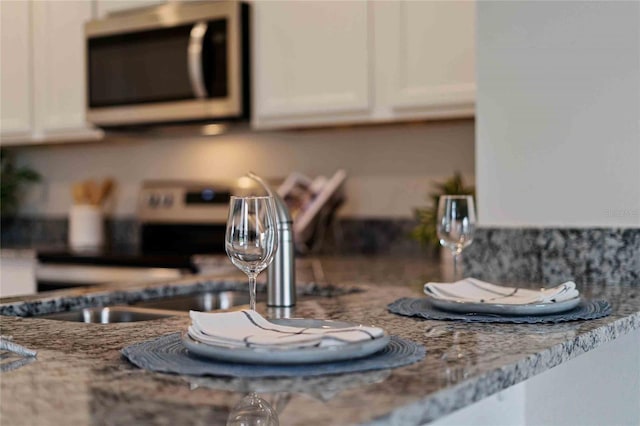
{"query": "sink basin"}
(201, 302)
(177, 305)
(109, 315)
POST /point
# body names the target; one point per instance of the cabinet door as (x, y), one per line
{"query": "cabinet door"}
(311, 62)
(426, 57)
(59, 67)
(15, 74)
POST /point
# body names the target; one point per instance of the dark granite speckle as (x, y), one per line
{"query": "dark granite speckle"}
(372, 236)
(53, 232)
(503, 256)
(594, 255)
(551, 256)
(30, 232)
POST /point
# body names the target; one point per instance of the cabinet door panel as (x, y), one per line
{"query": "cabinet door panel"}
(59, 64)
(15, 75)
(433, 62)
(310, 58)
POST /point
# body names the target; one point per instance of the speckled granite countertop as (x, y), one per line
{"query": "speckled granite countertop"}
(79, 376)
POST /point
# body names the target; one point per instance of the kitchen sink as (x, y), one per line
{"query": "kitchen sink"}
(178, 305)
(156, 309)
(113, 314)
(204, 302)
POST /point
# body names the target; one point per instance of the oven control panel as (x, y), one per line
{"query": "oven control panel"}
(188, 201)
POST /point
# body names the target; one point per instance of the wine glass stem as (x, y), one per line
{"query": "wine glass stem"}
(252, 292)
(455, 265)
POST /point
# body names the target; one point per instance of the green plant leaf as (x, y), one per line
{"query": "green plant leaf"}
(12, 180)
(425, 232)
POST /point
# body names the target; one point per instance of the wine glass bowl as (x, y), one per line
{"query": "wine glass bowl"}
(251, 237)
(253, 411)
(456, 224)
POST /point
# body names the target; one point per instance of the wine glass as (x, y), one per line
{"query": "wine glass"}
(456, 224)
(253, 411)
(251, 238)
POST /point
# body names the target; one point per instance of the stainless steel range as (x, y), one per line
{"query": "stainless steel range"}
(181, 232)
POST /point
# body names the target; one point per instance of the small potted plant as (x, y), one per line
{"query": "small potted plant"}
(426, 230)
(12, 180)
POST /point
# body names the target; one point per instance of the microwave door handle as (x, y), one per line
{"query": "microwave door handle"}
(194, 59)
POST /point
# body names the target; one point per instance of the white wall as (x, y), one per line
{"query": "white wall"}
(390, 168)
(558, 138)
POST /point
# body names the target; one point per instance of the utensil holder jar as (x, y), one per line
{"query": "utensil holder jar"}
(86, 227)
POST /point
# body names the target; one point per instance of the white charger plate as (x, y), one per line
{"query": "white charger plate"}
(505, 309)
(307, 355)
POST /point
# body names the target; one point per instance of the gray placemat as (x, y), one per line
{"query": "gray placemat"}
(167, 354)
(420, 307)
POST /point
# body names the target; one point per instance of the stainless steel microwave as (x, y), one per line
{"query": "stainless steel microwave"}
(179, 62)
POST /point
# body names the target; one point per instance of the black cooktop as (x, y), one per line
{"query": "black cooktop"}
(118, 256)
(166, 245)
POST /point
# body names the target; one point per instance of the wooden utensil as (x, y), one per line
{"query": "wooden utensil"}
(105, 190)
(78, 191)
(92, 190)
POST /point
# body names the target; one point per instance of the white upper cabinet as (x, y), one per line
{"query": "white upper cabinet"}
(426, 58)
(310, 62)
(43, 72)
(59, 69)
(338, 62)
(15, 75)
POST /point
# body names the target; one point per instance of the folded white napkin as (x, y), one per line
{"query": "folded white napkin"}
(471, 290)
(249, 329)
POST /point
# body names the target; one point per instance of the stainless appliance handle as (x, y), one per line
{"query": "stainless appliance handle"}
(194, 59)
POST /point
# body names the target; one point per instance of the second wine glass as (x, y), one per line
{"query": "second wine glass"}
(251, 237)
(456, 224)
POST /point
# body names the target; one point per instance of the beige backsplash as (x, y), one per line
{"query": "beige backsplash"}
(390, 168)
